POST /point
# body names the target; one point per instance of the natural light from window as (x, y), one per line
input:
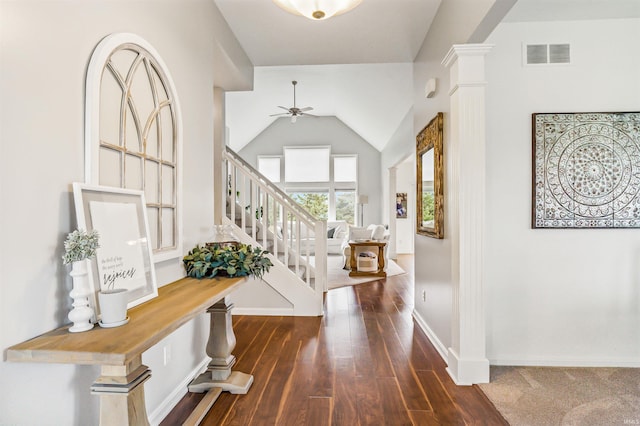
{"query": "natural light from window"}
(324, 184)
(309, 164)
(270, 168)
(316, 203)
(345, 169)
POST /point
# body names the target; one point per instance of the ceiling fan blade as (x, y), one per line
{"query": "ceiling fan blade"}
(308, 115)
(287, 109)
(282, 113)
(306, 109)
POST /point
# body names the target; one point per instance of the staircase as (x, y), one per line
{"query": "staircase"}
(264, 215)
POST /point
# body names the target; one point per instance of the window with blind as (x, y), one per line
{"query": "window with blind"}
(325, 184)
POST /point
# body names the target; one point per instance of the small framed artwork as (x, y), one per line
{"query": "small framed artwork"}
(401, 205)
(124, 259)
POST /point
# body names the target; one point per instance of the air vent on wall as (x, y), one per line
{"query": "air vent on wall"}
(538, 54)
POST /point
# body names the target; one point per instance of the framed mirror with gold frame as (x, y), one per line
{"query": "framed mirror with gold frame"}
(430, 179)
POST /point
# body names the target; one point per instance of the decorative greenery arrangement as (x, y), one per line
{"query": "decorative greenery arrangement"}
(235, 260)
(80, 245)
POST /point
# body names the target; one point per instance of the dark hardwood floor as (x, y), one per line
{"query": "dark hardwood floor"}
(364, 363)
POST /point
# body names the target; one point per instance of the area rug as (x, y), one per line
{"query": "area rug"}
(540, 396)
(338, 277)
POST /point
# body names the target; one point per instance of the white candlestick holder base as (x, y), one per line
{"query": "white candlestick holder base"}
(81, 314)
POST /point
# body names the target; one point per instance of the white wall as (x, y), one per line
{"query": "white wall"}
(557, 297)
(432, 257)
(258, 298)
(399, 147)
(44, 54)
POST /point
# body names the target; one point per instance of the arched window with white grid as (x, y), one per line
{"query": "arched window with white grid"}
(133, 132)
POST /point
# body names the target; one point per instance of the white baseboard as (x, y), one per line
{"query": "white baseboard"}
(174, 397)
(442, 350)
(274, 312)
(567, 362)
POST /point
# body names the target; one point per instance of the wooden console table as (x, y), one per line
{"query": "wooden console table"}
(379, 246)
(119, 350)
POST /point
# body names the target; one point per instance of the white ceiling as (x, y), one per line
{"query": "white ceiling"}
(385, 34)
(572, 10)
(377, 31)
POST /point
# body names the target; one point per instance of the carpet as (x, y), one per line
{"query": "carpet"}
(338, 277)
(540, 396)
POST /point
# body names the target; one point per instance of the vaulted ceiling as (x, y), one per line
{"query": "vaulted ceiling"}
(371, 99)
(356, 66)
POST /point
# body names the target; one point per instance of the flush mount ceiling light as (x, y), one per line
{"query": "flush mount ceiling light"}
(317, 10)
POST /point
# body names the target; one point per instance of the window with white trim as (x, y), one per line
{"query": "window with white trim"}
(325, 184)
(306, 164)
(269, 166)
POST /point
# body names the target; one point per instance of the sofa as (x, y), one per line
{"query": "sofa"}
(336, 235)
(372, 232)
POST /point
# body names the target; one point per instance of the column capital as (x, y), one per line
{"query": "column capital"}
(466, 66)
(461, 50)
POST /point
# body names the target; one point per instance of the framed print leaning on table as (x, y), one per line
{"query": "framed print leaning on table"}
(124, 259)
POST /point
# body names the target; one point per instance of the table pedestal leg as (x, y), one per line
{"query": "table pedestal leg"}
(221, 342)
(121, 392)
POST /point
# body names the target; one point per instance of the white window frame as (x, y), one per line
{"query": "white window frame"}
(342, 186)
(281, 164)
(99, 59)
(329, 186)
(300, 148)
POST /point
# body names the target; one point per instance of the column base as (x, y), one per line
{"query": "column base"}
(236, 383)
(466, 371)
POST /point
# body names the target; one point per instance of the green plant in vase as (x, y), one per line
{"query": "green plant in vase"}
(80, 245)
(231, 260)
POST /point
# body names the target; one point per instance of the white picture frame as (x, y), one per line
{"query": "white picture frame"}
(124, 258)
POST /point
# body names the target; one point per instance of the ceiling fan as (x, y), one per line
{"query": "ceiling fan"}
(294, 111)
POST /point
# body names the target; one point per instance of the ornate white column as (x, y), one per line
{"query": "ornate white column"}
(467, 362)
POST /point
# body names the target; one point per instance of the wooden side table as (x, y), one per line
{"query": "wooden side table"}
(377, 246)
